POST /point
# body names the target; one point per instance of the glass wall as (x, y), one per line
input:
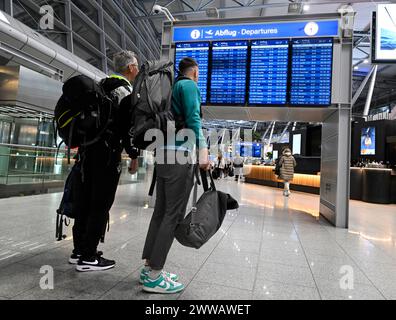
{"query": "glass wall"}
(84, 27)
(29, 153)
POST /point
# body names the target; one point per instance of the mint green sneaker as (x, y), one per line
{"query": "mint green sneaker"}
(162, 285)
(144, 275)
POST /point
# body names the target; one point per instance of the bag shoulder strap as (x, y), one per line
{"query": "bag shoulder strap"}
(153, 181)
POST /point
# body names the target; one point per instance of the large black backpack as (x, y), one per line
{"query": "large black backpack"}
(83, 113)
(151, 100)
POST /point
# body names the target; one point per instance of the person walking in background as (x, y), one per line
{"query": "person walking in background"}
(238, 166)
(220, 166)
(287, 164)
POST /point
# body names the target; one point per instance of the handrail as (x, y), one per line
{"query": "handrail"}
(30, 147)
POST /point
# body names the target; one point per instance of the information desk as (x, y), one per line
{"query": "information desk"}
(373, 185)
(367, 184)
(265, 175)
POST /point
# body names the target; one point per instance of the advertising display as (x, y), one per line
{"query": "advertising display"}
(256, 148)
(245, 149)
(384, 34)
(367, 141)
(296, 144)
(250, 149)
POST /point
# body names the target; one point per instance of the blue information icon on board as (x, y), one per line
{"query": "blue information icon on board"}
(322, 28)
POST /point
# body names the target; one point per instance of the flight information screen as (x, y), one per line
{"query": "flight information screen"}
(200, 52)
(268, 72)
(228, 72)
(311, 71)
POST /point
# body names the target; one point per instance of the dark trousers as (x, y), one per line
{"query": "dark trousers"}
(99, 179)
(174, 184)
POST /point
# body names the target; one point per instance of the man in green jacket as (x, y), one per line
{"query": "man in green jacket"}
(174, 182)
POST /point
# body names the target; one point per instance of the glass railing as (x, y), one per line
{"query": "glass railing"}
(21, 164)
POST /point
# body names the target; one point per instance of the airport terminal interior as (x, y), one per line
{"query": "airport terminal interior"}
(317, 77)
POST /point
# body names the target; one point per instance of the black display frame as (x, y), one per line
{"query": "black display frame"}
(246, 103)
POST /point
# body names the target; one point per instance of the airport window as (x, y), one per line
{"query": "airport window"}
(112, 32)
(84, 31)
(111, 12)
(130, 46)
(110, 50)
(59, 9)
(87, 55)
(26, 15)
(87, 9)
(110, 66)
(131, 34)
(58, 37)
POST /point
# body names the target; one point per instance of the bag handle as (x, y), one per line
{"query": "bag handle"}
(195, 194)
(212, 184)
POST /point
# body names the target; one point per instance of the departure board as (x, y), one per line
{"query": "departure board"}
(268, 72)
(200, 52)
(228, 72)
(311, 71)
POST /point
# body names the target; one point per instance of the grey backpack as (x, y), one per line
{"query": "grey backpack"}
(151, 100)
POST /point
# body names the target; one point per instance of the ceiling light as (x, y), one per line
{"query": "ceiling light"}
(306, 7)
(356, 68)
(366, 61)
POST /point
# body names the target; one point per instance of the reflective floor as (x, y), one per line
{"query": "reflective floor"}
(271, 248)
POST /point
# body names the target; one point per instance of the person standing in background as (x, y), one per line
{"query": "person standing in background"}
(238, 166)
(220, 165)
(287, 164)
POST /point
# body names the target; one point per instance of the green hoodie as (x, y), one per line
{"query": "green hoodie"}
(186, 101)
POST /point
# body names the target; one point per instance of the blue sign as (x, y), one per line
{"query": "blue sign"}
(311, 71)
(228, 77)
(326, 28)
(268, 72)
(200, 52)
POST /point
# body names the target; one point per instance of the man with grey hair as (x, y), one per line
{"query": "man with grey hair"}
(126, 68)
(102, 167)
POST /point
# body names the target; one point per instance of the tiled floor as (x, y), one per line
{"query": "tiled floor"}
(271, 248)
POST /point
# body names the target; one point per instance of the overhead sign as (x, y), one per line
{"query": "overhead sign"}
(322, 28)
